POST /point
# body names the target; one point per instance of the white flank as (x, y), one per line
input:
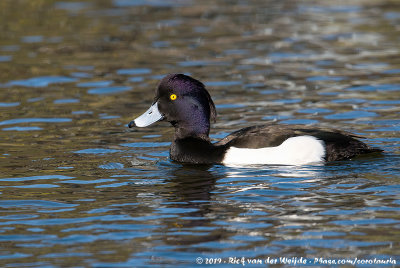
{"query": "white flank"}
(300, 150)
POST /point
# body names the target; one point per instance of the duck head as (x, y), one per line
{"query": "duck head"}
(185, 103)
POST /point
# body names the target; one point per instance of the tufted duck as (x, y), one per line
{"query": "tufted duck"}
(186, 104)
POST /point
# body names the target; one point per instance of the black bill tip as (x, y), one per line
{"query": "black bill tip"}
(132, 124)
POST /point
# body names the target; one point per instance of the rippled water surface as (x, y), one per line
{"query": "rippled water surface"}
(80, 189)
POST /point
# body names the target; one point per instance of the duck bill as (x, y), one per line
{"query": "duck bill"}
(149, 117)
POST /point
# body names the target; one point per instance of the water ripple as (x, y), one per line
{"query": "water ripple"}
(34, 203)
(34, 120)
(108, 90)
(34, 178)
(80, 188)
(42, 81)
(97, 151)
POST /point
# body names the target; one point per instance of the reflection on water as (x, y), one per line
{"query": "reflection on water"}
(78, 188)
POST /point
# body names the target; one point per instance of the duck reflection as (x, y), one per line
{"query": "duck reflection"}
(184, 204)
(192, 183)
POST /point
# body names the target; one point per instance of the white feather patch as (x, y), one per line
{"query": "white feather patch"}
(300, 150)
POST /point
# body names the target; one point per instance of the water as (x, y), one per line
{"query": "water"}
(80, 189)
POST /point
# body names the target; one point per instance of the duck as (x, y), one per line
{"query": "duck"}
(185, 103)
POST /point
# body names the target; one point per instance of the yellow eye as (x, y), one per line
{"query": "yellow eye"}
(173, 97)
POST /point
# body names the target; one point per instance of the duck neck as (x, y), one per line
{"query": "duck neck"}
(194, 130)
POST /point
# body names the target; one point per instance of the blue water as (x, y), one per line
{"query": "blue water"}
(78, 188)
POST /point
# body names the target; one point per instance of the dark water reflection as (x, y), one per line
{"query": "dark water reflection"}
(80, 189)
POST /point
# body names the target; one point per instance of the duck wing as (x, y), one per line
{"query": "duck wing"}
(256, 137)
